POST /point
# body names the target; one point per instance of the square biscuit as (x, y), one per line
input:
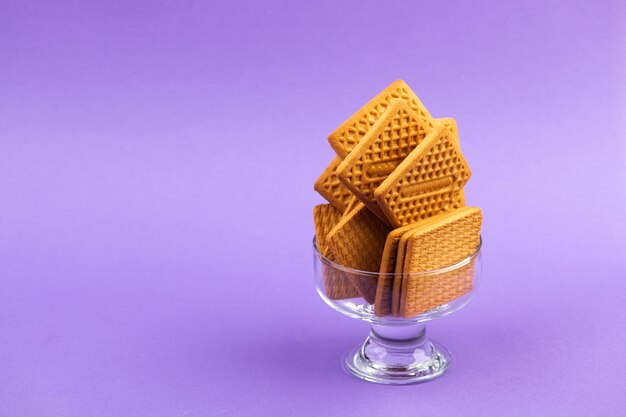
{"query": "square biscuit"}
(443, 241)
(350, 132)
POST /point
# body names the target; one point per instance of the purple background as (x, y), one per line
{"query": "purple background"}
(157, 162)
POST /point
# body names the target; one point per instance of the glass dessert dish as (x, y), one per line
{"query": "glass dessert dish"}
(397, 350)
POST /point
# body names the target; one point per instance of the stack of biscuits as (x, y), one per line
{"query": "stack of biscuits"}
(396, 208)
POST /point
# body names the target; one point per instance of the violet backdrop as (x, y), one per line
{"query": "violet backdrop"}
(157, 161)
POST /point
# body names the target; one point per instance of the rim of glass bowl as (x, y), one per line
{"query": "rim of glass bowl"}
(438, 271)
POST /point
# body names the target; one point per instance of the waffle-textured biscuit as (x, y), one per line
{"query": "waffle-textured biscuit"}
(394, 135)
(399, 270)
(337, 285)
(395, 264)
(329, 186)
(384, 288)
(348, 134)
(443, 241)
(357, 241)
(427, 182)
(325, 217)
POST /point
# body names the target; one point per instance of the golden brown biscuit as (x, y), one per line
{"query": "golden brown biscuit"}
(427, 182)
(443, 241)
(357, 241)
(336, 285)
(329, 186)
(394, 135)
(348, 134)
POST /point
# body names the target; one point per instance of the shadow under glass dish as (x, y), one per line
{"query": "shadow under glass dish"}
(397, 350)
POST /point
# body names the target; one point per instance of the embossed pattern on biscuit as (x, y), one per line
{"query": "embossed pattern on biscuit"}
(337, 286)
(357, 241)
(399, 269)
(427, 182)
(350, 132)
(444, 240)
(396, 133)
(329, 186)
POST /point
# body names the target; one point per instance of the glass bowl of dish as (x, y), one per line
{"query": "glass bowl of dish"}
(397, 306)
